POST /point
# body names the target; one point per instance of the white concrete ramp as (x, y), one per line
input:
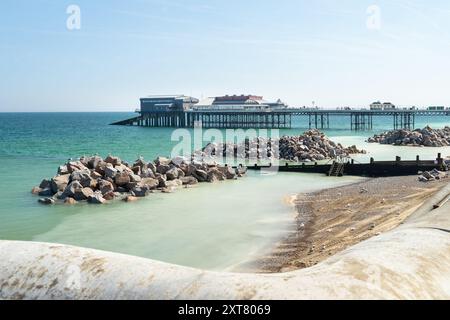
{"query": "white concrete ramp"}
(410, 262)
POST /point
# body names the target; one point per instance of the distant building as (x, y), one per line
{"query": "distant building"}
(239, 103)
(378, 106)
(388, 106)
(167, 103)
(436, 108)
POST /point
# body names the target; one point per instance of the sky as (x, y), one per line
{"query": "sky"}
(335, 53)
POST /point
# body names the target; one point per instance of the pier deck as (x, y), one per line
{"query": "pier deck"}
(280, 119)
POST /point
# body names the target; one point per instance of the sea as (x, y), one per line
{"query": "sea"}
(215, 227)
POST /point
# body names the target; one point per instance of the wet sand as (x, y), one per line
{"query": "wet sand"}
(332, 220)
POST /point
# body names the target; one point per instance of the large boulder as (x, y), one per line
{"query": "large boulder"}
(47, 192)
(123, 168)
(59, 183)
(135, 178)
(172, 174)
(140, 192)
(45, 184)
(101, 167)
(109, 196)
(93, 162)
(84, 177)
(147, 173)
(152, 167)
(163, 168)
(115, 161)
(122, 179)
(188, 180)
(178, 161)
(70, 190)
(83, 194)
(96, 198)
(200, 175)
(214, 174)
(110, 172)
(162, 181)
(229, 172)
(95, 175)
(162, 161)
(174, 184)
(150, 183)
(63, 170)
(75, 166)
(105, 186)
(140, 163)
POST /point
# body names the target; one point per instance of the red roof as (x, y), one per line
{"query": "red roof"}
(235, 98)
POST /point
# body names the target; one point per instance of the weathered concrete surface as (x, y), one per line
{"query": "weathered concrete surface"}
(410, 262)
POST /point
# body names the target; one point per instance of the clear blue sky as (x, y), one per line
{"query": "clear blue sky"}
(297, 50)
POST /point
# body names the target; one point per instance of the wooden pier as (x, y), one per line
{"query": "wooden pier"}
(280, 119)
(208, 119)
(372, 169)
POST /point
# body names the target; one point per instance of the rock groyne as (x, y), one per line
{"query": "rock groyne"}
(426, 137)
(312, 145)
(97, 180)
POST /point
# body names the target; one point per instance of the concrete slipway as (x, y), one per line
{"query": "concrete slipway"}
(410, 262)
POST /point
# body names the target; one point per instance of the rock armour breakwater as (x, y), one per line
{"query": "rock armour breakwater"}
(312, 145)
(97, 180)
(426, 137)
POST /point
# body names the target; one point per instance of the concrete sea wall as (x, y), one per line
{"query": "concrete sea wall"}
(410, 262)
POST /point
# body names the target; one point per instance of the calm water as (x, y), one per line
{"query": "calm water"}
(215, 227)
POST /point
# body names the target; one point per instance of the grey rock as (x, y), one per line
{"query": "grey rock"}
(122, 179)
(200, 175)
(150, 183)
(96, 198)
(110, 172)
(83, 194)
(140, 192)
(163, 168)
(47, 201)
(113, 160)
(46, 192)
(45, 184)
(59, 183)
(172, 174)
(105, 186)
(188, 180)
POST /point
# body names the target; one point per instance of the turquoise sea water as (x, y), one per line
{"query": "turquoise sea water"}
(212, 226)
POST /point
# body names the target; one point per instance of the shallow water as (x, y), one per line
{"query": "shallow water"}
(211, 226)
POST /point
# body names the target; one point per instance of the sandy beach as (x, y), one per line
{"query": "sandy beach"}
(332, 220)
